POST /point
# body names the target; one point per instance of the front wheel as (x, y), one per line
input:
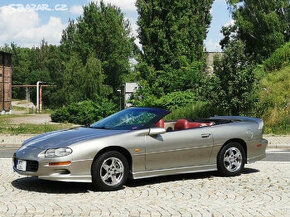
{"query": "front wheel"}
(110, 171)
(231, 159)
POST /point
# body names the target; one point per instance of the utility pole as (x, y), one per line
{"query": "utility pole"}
(37, 96)
(120, 93)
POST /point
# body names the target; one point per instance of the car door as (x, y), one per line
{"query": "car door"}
(185, 148)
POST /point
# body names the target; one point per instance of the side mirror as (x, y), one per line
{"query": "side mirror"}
(156, 131)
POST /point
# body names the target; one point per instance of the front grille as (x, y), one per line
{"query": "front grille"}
(31, 165)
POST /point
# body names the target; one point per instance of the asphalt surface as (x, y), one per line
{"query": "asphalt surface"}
(7, 152)
(271, 154)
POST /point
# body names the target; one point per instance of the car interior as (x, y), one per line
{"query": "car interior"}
(182, 124)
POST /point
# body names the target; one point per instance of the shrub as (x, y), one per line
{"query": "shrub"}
(273, 106)
(194, 111)
(176, 100)
(230, 88)
(170, 101)
(280, 58)
(85, 112)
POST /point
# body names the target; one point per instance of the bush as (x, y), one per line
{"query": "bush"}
(280, 58)
(170, 101)
(273, 106)
(272, 91)
(84, 113)
(230, 88)
(194, 111)
(176, 100)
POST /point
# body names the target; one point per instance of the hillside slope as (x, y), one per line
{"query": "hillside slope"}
(274, 101)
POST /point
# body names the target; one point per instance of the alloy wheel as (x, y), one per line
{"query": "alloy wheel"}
(233, 159)
(112, 171)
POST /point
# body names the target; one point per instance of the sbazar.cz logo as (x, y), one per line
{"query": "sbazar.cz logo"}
(39, 7)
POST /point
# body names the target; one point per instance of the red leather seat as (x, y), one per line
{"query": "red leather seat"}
(183, 124)
(160, 123)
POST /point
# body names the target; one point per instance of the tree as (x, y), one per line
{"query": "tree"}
(94, 79)
(262, 24)
(81, 82)
(230, 89)
(104, 32)
(172, 35)
(72, 88)
(172, 30)
(21, 67)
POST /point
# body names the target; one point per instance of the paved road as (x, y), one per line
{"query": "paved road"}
(278, 155)
(262, 190)
(272, 154)
(6, 152)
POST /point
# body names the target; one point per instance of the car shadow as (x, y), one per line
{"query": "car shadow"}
(179, 177)
(52, 187)
(250, 170)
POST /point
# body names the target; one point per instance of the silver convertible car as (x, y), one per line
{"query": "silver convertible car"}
(137, 143)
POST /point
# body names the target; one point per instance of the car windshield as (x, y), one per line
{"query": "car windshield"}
(131, 119)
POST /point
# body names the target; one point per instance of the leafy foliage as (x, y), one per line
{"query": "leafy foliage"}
(272, 91)
(36, 64)
(280, 58)
(172, 30)
(194, 110)
(171, 34)
(170, 101)
(274, 101)
(102, 32)
(92, 60)
(81, 82)
(85, 112)
(162, 82)
(230, 88)
(262, 24)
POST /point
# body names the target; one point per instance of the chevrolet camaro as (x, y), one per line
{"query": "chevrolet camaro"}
(137, 143)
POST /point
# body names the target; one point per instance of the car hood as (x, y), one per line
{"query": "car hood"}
(64, 138)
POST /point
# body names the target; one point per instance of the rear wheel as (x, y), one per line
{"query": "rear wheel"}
(231, 159)
(110, 171)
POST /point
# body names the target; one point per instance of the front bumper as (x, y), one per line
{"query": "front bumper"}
(76, 171)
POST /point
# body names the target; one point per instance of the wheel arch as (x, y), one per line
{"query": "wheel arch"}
(122, 150)
(240, 141)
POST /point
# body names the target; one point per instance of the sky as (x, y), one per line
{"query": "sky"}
(27, 22)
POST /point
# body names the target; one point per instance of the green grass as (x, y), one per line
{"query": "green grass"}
(17, 108)
(14, 129)
(274, 101)
(31, 128)
(277, 130)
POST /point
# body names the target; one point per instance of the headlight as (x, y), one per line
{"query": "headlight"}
(58, 152)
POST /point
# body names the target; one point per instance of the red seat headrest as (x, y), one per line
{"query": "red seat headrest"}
(160, 123)
(183, 124)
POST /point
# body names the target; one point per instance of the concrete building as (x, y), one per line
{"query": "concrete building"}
(129, 89)
(210, 59)
(5, 83)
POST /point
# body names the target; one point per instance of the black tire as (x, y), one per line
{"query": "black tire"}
(103, 162)
(228, 162)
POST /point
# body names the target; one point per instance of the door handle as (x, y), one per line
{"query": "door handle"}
(205, 135)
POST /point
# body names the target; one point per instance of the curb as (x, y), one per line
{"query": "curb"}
(15, 141)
